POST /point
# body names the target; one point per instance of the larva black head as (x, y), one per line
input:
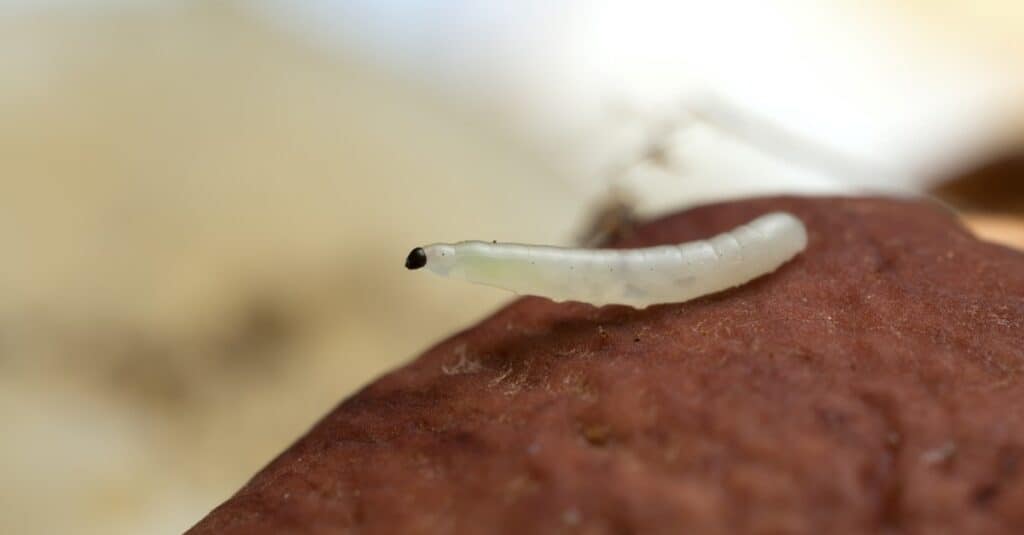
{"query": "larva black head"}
(417, 258)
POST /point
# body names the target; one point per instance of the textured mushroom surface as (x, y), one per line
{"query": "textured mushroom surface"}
(874, 383)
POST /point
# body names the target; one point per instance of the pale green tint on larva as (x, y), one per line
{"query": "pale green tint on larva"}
(634, 277)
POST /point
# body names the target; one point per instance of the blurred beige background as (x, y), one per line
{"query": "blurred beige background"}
(203, 220)
(203, 225)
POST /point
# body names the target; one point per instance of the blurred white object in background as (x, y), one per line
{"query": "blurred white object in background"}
(881, 86)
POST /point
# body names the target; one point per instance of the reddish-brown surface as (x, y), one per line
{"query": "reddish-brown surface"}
(872, 384)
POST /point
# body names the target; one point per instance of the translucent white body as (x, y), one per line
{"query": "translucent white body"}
(635, 277)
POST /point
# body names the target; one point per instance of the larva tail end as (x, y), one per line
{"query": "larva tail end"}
(417, 258)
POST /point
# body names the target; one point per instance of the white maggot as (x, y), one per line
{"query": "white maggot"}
(635, 277)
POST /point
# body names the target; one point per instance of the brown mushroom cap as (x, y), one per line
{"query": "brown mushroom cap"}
(872, 383)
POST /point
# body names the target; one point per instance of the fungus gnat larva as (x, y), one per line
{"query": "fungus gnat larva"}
(635, 277)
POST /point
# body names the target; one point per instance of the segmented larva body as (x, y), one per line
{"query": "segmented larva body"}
(635, 277)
